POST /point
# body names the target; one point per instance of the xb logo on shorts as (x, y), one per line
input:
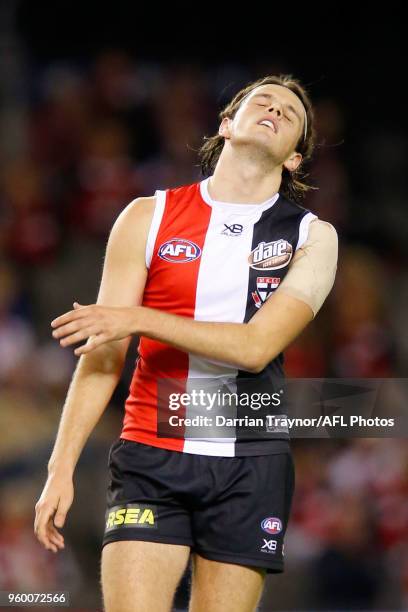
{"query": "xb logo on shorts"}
(179, 250)
(271, 255)
(269, 546)
(272, 525)
(131, 515)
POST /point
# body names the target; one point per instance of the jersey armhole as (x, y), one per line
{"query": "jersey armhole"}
(304, 229)
(155, 224)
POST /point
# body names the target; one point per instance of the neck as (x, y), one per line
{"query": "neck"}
(244, 179)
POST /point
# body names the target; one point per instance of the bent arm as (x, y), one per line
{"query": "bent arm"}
(248, 346)
(278, 322)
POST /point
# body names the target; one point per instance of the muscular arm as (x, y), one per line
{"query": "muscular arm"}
(248, 346)
(98, 372)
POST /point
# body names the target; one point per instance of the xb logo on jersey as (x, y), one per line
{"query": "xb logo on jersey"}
(271, 255)
(264, 287)
(232, 230)
(179, 250)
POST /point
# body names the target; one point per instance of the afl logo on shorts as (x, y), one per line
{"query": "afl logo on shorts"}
(271, 255)
(272, 525)
(179, 250)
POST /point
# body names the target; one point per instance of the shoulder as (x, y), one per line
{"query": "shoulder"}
(321, 246)
(313, 268)
(139, 209)
(323, 227)
(130, 230)
(135, 217)
(322, 235)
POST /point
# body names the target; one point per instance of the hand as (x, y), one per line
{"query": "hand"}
(97, 324)
(51, 510)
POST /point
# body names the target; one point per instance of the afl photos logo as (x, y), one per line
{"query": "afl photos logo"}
(179, 250)
(271, 255)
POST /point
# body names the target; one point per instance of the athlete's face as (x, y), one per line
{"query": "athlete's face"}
(281, 107)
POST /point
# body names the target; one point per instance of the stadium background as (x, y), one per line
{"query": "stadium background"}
(104, 102)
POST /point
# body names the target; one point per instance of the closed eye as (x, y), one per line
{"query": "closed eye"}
(266, 104)
(286, 117)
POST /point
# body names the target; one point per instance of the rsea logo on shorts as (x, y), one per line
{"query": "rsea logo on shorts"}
(272, 525)
(131, 515)
(179, 250)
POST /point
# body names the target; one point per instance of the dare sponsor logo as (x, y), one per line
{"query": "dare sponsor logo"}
(179, 250)
(131, 515)
(271, 255)
(272, 525)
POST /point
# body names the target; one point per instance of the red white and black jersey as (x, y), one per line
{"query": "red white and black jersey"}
(210, 261)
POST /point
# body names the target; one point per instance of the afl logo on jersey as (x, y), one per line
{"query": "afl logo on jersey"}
(271, 255)
(179, 250)
(272, 525)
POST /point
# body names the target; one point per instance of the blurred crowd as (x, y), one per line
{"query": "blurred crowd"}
(78, 143)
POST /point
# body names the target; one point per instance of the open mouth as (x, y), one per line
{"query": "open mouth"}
(268, 124)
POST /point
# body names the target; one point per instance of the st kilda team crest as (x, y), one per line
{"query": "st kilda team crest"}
(264, 287)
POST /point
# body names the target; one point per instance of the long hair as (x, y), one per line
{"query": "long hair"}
(292, 185)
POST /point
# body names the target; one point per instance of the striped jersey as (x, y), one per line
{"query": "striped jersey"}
(211, 261)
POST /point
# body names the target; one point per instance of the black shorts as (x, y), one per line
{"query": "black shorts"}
(230, 509)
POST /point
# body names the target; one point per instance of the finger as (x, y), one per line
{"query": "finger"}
(77, 337)
(55, 537)
(47, 542)
(77, 305)
(39, 523)
(67, 317)
(41, 531)
(70, 328)
(60, 516)
(52, 529)
(56, 540)
(92, 344)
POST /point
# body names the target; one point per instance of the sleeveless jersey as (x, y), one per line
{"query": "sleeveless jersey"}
(211, 261)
